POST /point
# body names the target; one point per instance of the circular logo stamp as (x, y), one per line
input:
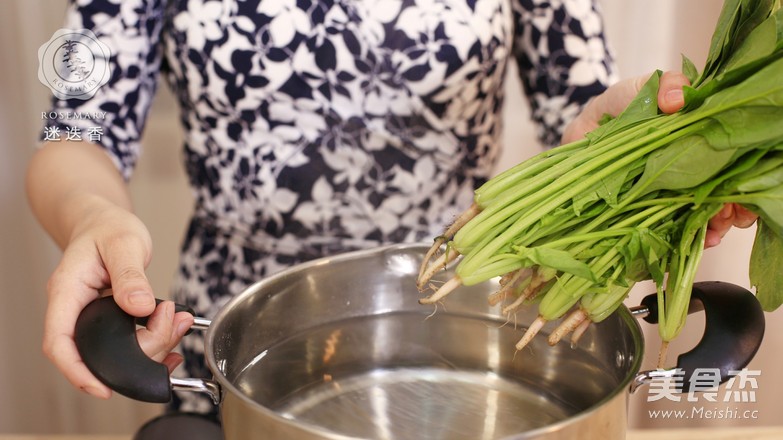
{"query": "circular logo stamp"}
(74, 64)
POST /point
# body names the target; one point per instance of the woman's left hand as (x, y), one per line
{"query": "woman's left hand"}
(617, 97)
(670, 99)
(732, 214)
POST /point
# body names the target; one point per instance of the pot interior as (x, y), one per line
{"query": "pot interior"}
(342, 345)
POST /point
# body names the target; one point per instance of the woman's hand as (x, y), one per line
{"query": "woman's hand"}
(732, 214)
(670, 99)
(81, 200)
(109, 251)
(617, 97)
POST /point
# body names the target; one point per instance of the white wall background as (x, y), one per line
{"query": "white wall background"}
(34, 398)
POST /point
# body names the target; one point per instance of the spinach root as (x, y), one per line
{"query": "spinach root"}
(577, 226)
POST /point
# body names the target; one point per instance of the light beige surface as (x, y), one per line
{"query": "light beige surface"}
(770, 433)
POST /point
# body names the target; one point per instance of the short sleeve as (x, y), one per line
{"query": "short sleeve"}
(114, 117)
(563, 59)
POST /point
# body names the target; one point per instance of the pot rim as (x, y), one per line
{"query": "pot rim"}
(227, 386)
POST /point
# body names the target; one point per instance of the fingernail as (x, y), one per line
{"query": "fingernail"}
(140, 298)
(674, 96)
(94, 391)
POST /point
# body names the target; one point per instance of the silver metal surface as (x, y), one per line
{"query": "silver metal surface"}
(639, 311)
(208, 387)
(645, 377)
(200, 323)
(340, 349)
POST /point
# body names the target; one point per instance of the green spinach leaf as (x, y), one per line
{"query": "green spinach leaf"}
(766, 267)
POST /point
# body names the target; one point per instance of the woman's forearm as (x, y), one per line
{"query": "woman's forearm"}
(69, 181)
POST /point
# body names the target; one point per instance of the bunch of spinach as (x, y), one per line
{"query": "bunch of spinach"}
(575, 227)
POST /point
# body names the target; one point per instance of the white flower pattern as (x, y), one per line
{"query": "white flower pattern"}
(320, 126)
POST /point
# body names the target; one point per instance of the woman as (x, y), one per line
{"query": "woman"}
(312, 127)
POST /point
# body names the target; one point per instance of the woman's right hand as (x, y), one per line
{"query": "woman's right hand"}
(82, 201)
(108, 249)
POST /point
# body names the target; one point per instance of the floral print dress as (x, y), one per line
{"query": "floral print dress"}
(319, 126)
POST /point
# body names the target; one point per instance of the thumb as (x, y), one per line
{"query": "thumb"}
(670, 94)
(125, 261)
(612, 102)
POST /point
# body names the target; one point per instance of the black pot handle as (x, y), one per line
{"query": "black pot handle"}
(733, 331)
(106, 339)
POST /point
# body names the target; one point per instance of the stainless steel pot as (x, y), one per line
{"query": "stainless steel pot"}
(339, 348)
